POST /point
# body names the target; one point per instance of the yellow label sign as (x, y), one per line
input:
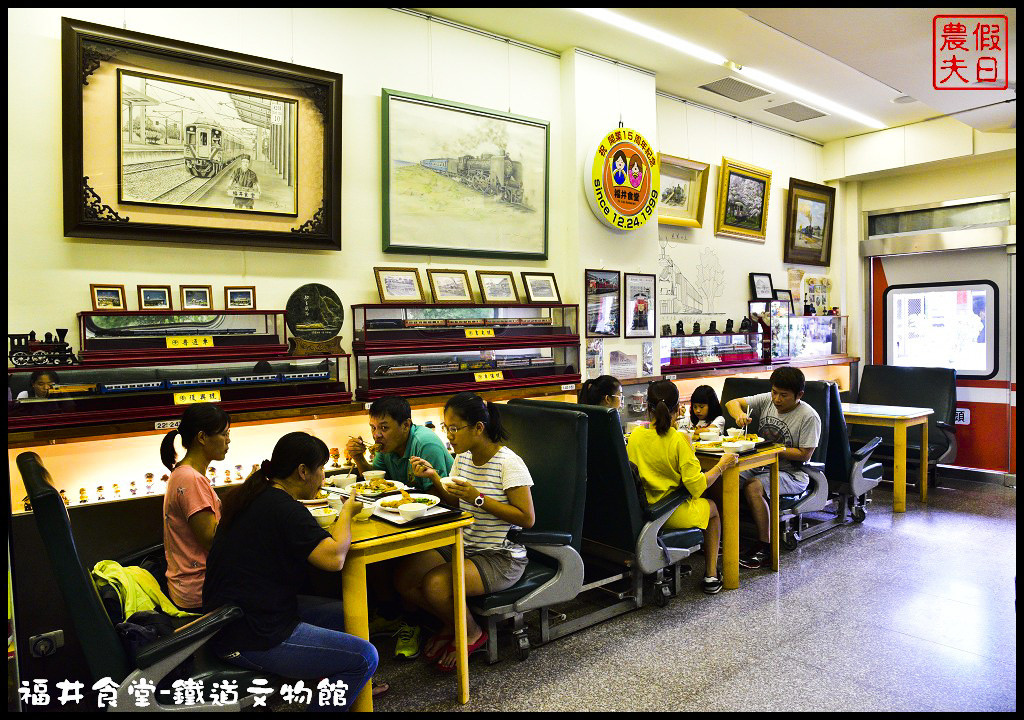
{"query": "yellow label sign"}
(488, 376)
(625, 180)
(182, 342)
(479, 332)
(194, 396)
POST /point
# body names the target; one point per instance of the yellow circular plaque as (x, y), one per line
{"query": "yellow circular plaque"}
(624, 180)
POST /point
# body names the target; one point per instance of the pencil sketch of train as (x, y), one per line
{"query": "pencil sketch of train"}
(496, 175)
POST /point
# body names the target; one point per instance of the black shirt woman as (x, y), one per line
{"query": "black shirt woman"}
(264, 544)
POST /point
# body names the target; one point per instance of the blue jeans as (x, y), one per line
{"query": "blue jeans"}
(318, 648)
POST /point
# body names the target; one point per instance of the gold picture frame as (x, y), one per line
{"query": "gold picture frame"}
(395, 285)
(107, 297)
(684, 191)
(741, 208)
(450, 287)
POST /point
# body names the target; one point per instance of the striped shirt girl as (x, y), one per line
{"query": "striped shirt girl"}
(503, 471)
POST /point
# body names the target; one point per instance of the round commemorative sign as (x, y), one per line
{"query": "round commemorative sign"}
(624, 180)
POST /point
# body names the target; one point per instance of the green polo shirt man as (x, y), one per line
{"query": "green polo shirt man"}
(398, 440)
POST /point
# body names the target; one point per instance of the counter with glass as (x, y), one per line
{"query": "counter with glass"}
(697, 352)
(817, 336)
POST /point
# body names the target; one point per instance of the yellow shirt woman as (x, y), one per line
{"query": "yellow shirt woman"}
(666, 462)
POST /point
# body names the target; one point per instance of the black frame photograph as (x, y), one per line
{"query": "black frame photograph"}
(758, 291)
(491, 281)
(809, 219)
(532, 281)
(148, 154)
(603, 302)
(786, 296)
(639, 298)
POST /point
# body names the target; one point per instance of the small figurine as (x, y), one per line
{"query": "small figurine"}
(149, 483)
(27, 504)
(808, 309)
(227, 476)
(83, 497)
(335, 456)
(117, 491)
(729, 327)
(238, 473)
(133, 489)
(745, 325)
(712, 328)
(64, 498)
(165, 478)
(99, 493)
(666, 330)
(696, 329)
(211, 472)
(834, 311)
(680, 329)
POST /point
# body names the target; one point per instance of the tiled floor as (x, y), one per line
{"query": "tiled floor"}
(905, 612)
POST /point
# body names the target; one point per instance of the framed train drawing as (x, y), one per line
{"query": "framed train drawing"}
(462, 180)
(172, 141)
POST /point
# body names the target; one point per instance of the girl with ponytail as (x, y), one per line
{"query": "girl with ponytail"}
(605, 391)
(666, 462)
(191, 507)
(260, 560)
(492, 483)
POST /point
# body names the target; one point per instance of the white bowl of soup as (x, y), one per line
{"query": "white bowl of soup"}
(324, 516)
(371, 475)
(710, 436)
(411, 511)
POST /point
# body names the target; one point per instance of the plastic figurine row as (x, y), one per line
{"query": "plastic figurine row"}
(745, 326)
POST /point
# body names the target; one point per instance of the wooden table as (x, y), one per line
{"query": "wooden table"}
(375, 540)
(730, 510)
(899, 418)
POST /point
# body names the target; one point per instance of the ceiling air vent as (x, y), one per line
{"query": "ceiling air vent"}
(795, 111)
(735, 89)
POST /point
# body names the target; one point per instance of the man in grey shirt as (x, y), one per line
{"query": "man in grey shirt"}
(782, 417)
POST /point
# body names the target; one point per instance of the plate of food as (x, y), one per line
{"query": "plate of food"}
(374, 488)
(391, 504)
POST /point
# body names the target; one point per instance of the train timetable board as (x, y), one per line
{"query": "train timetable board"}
(625, 180)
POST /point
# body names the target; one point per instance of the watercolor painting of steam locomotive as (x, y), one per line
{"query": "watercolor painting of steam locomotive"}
(185, 144)
(461, 180)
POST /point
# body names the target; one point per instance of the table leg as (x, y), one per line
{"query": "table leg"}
(899, 469)
(730, 513)
(924, 462)
(774, 506)
(357, 622)
(459, 591)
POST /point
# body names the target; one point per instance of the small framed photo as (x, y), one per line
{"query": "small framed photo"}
(399, 285)
(602, 289)
(638, 299)
(684, 190)
(786, 296)
(196, 297)
(450, 286)
(240, 297)
(809, 211)
(155, 297)
(107, 297)
(761, 287)
(541, 287)
(497, 287)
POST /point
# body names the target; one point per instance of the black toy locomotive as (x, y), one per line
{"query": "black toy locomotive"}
(26, 351)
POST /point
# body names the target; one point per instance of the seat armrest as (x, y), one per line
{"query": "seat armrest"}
(667, 505)
(820, 467)
(945, 425)
(866, 450)
(531, 537)
(204, 626)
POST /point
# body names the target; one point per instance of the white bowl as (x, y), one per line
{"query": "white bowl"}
(324, 516)
(709, 436)
(746, 445)
(449, 482)
(731, 446)
(365, 512)
(371, 475)
(411, 511)
(735, 432)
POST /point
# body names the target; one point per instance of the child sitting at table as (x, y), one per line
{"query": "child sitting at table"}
(706, 411)
(493, 486)
(665, 460)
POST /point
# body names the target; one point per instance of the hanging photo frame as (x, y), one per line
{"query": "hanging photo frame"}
(809, 218)
(497, 287)
(741, 210)
(639, 300)
(604, 311)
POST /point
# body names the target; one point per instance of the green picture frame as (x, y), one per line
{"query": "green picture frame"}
(462, 180)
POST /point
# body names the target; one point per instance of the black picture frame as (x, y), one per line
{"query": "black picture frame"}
(600, 287)
(633, 314)
(803, 235)
(87, 47)
(757, 289)
(786, 296)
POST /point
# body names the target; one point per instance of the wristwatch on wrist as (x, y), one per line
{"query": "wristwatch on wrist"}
(479, 500)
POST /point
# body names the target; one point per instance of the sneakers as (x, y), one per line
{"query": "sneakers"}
(753, 559)
(711, 585)
(408, 644)
(380, 625)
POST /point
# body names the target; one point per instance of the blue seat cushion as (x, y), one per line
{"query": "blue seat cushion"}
(535, 575)
(688, 538)
(787, 502)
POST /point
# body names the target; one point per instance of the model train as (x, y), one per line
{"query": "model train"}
(463, 366)
(387, 324)
(736, 352)
(26, 351)
(487, 174)
(163, 329)
(209, 148)
(181, 384)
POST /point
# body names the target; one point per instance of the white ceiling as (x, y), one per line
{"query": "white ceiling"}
(861, 58)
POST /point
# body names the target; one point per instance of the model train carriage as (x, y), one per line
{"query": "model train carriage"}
(26, 351)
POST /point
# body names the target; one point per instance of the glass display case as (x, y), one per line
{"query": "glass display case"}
(88, 394)
(695, 352)
(437, 349)
(148, 336)
(773, 317)
(817, 336)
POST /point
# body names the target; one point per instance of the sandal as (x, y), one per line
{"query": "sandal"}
(379, 688)
(475, 647)
(440, 648)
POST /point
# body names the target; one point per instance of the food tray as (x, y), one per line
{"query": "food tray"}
(438, 512)
(719, 451)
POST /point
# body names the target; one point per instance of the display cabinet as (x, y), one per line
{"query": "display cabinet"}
(436, 349)
(773, 317)
(112, 392)
(817, 336)
(149, 337)
(695, 352)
